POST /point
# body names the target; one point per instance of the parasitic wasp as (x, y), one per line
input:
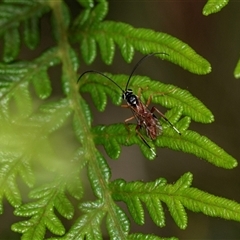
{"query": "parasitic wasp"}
(144, 116)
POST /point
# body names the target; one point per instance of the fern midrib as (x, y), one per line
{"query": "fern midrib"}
(45, 209)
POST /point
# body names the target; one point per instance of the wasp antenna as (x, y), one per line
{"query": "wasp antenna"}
(100, 73)
(138, 63)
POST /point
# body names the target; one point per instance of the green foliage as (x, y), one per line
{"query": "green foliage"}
(11, 16)
(91, 31)
(33, 123)
(213, 6)
(175, 196)
(237, 70)
(167, 95)
(42, 211)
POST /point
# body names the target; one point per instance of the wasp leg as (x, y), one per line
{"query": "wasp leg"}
(143, 139)
(149, 101)
(153, 109)
(127, 120)
(150, 98)
(126, 124)
(165, 93)
(139, 92)
(138, 133)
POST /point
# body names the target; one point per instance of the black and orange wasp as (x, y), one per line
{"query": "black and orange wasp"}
(144, 116)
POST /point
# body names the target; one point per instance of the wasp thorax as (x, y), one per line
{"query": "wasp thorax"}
(132, 100)
(130, 97)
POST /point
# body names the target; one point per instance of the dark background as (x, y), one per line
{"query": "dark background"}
(216, 38)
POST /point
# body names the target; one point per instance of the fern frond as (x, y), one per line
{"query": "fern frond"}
(11, 44)
(116, 220)
(167, 95)
(88, 17)
(13, 163)
(23, 100)
(15, 81)
(99, 87)
(88, 224)
(89, 49)
(12, 13)
(51, 116)
(117, 229)
(201, 146)
(42, 85)
(91, 14)
(171, 96)
(176, 197)
(86, 3)
(23, 140)
(115, 135)
(8, 174)
(214, 6)
(106, 34)
(41, 211)
(31, 32)
(49, 197)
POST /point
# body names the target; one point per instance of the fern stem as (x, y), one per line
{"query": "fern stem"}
(72, 92)
(91, 154)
